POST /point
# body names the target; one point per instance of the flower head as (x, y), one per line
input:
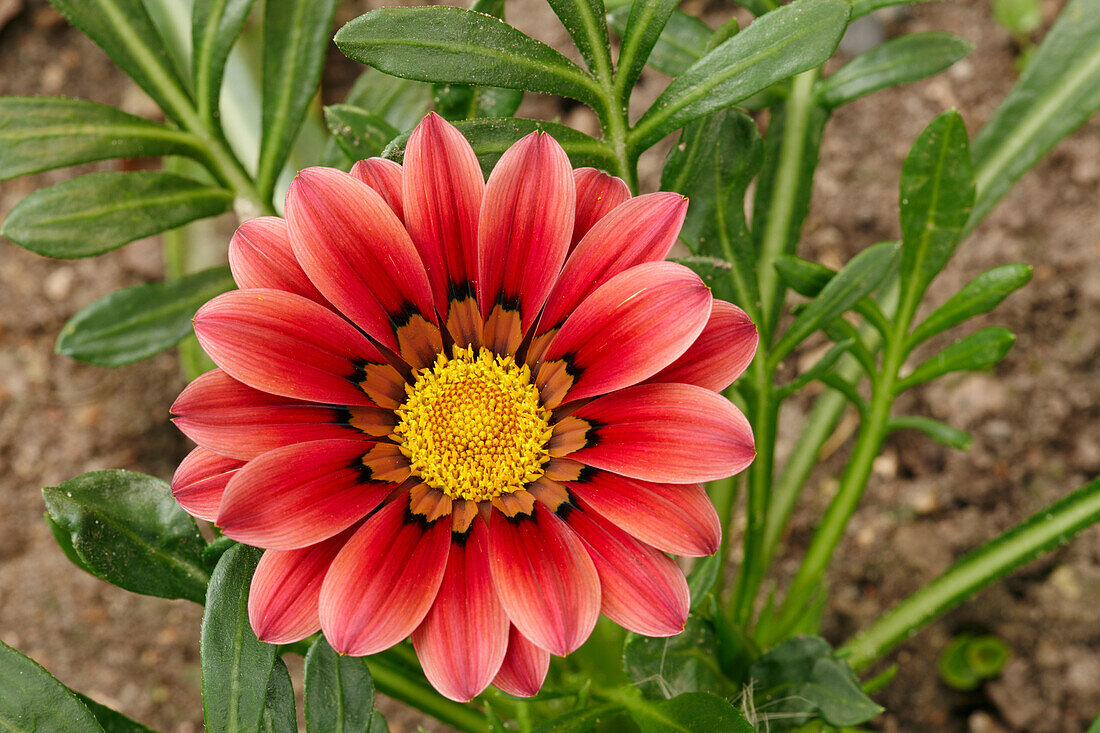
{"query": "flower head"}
(473, 413)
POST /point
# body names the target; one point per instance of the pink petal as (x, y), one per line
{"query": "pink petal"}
(643, 590)
(462, 641)
(356, 252)
(286, 345)
(545, 579)
(443, 190)
(282, 602)
(200, 481)
(382, 584)
(721, 353)
(597, 194)
(675, 518)
(677, 433)
(524, 668)
(630, 328)
(260, 256)
(525, 229)
(227, 416)
(384, 176)
(296, 496)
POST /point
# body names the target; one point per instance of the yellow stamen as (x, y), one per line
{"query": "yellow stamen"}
(473, 427)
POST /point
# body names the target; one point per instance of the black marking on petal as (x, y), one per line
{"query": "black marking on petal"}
(418, 520)
(565, 509)
(363, 471)
(403, 315)
(592, 435)
(341, 415)
(459, 539)
(586, 474)
(460, 291)
(507, 302)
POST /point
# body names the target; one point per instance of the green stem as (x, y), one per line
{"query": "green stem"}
(1046, 529)
(616, 130)
(399, 685)
(724, 495)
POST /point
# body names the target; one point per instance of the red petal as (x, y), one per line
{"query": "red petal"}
(525, 228)
(721, 353)
(384, 176)
(296, 496)
(283, 344)
(676, 518)
(597, 194)
(227, 416)
(678, 433)
(545, 579)
(356, 252)
(630, 328)
(383, 582)
(462, 642)
(643, 590)
(200, 481)
(443, 189)
(282, 603)
(260, 256)
(525, 666)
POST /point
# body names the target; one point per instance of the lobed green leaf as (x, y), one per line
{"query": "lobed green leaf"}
(980, 295)
(980, 350)
(33, 701)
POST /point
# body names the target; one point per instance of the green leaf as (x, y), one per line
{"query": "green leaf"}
(803, 276)
(98, 212)
(583, 720)
(670, 666)
(491, 137)
(33, 701)
(129, 531)
(359, 134)
(456, 46)
(279, 715)
(980, 295)
(857, 279)
(820, 368)
(125, 31)
(968, 660)
(703, 576)
(980, 350)
(65, 542)
(940, 432)
(400, 102)
(1019, 16)
(339, 691)
(802, 679)
(654, 32)
(899, 61)
(236, 665)
(692, 712)
(1059, 90)
(135, 323)
(42, 133)
(586, 23)
(112, 721)
(937, 190)
(215, 26)
(296, 36)
(712, 165)
(861, 8)
(786, 41)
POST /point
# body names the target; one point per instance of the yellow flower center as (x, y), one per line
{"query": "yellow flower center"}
(473, 426)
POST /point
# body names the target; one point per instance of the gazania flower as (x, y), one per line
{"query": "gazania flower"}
(473, 413)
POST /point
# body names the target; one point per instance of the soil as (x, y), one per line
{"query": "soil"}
(1033, 418)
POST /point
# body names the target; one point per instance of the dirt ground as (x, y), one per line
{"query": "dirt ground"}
(1033, 419)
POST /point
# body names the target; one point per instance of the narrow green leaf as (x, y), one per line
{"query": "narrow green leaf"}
(1058, 91)
(692, 712)
(128, 530)
(937, 190)
(125, 31)
(400, 102)
(339, 691)
(296, 36)
(1048, 528)
(98, 212)
(236, 666)
(42, 133)
(654, 32)
(135, 323)
(940, 432)
(820, 368)
(33, 701)
(857, 279)
(279, 715)
(980, 295)
(452, 45)
(665, 667)
(898, 61)
(586, 23)
(980, 350)
(702, 578)
(112, 721)
(359, 134)
(215, 26)
(491, 137)
(803, 276)
(802, 679)
(786, 41)
(861, 8)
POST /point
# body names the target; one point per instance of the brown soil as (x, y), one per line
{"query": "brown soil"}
(1033, 419)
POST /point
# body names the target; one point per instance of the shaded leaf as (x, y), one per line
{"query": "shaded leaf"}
(664, 667)
(980, 350)
(703, 576)
(980, 295)
(586, 23)
(692, 712)
(279, 715)
(654, 32)
(400, 102)
(803, 276)
(33, 701)
(339, 692)
(112, 721)
(580, 721)
(938, 431)
(861, 8)
(359, 133)
(215, 26)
